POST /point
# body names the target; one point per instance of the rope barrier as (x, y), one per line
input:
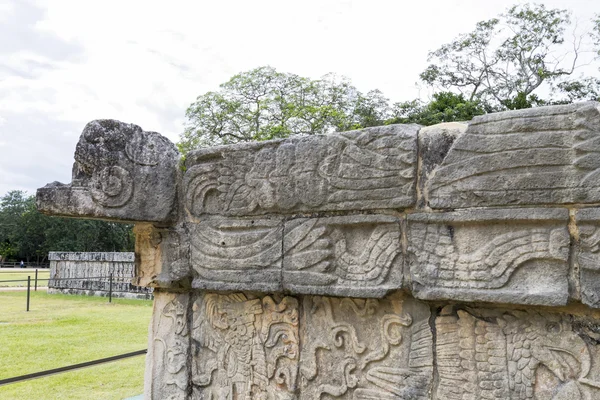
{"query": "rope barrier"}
(70, 367)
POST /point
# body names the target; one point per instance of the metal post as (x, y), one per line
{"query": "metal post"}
(28, 290)
(35, 286)
(110, 288)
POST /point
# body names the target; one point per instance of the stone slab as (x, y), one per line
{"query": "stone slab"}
(162, 257)
(237, 254)
(588, 255)
(515, 354)
(365, 349)
(434, 143)
(516, 256)
(167, 370)
(120, 173)
(244, 346)
(373, 168)
(358, 255)
(91, 256)
(543, 155)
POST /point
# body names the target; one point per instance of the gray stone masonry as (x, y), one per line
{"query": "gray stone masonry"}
(88, 273)
(459, 261)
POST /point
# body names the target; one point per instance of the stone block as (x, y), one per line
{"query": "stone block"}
(588, 255)
(513, 354)
(237, 254)
(372, 168)
(434, 143)
(358, 255)
(244, 346)
(91, 256)
(505, 256)
(167, 370)
(543, 155)
(162, 257)
(120, 173)
(365, 349)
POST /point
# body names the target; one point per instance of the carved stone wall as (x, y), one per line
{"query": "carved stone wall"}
(89, 274)
(454, 262)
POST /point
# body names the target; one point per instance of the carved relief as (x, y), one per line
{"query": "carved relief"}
(544, 155)
(365, 349)
(495, 354)
(352, 256)
(161, 257)
(111, 186)
(371, 168)
(245, 347)
(237, 254)
(516, 255)
(120, 172)
(169, 348)
(588, 255)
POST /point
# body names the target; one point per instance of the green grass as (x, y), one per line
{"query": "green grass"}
(22, 275)
(61, 330)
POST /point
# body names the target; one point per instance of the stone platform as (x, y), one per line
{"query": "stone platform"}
(452, 262)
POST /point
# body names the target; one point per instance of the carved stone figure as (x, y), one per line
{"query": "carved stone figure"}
(235, 254)
(120, 172)
(588, 257)
(495, 354)
(162, 257)
(244, 348)
(168, 348)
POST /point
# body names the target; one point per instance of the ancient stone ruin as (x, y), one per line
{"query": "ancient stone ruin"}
(88, 273)
(453, 262)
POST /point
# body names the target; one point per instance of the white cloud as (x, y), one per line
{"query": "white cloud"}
(145, 61)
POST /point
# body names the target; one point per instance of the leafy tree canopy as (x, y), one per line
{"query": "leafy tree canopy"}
(444, 107)
(263, 104)
(505, 60)
(524, 58)
(26, 234)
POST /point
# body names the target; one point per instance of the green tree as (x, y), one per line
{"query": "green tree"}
(263, 104)
(12, 207)
(444, 107)
(505, 60)
(27, 234)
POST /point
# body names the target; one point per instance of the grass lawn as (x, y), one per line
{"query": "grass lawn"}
(22, 275)
(61, 330)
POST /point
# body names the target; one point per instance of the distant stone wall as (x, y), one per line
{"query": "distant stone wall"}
(89, 274)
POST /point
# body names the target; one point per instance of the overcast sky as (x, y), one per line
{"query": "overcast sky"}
(66, 62)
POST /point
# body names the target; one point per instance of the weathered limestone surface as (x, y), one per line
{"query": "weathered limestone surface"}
(231, 254)
(167, 369)
(359, 170)
(89, 273)
(121, 172)
(516, 354)
(366, 349)
(357, 255)
(545, 155)
(453, 262)
(244, 346)
(588, 256)
(515, 256)
(161, 256)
